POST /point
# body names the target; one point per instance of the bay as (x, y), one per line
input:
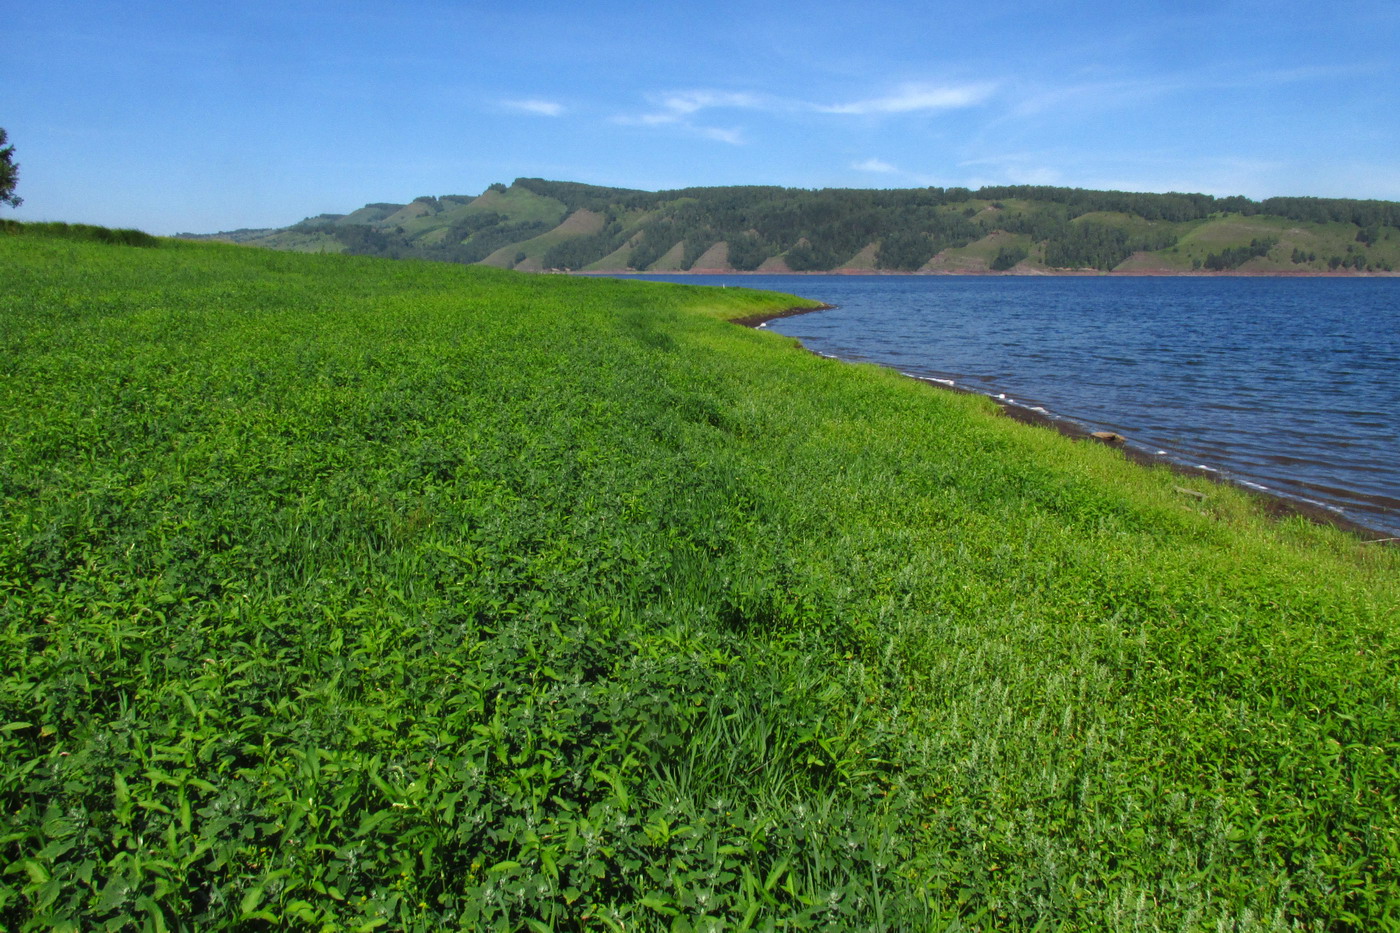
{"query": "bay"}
(1288, 385)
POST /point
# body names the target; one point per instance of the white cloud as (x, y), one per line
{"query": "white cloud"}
(681, 109)
(915, 97)
(874, 165)
(677, 108)
(542, 108)
(733, 137)
(688, 102)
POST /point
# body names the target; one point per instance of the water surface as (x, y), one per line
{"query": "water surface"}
(1291, 384)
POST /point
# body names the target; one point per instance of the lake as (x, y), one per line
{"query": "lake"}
(1290, 385)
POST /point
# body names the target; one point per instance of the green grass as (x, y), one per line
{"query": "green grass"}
(519, 204)
(1322, 240)
(979, 254)
(298, 241)
(533, 249)
(340, 593)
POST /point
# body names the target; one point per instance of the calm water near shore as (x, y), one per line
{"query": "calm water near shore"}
(1292, 385)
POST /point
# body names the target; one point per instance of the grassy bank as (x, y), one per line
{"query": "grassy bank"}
(343, 593)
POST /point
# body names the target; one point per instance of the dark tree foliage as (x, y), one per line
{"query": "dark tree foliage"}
(1043, 222)
(1334, 210)
(817, 230)
(905, 250)
(485, 242)
(1008, 256)
(696, 243)
(576, 196)
(1088, 245)
(1235, 256)
(656, 241)
(582, 251)
(468, 226)
(823, 228)
(747, 251)
(9, 172)
(362, 240)
(813, 257)
(1172, 206)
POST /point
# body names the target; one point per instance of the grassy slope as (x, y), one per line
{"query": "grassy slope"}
(520, 204)
(428, 225)
(579, 223)
(297, 241)
(338, 590)
(978, 255)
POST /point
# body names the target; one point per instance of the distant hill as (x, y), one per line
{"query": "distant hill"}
(539, 225)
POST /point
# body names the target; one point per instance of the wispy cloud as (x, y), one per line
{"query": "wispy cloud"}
(679, 107)
(732, 136)
(912, 98)
(541, 108)
(875, 165)
(682, 109)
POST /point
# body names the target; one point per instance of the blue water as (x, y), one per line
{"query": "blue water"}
(1292, 385)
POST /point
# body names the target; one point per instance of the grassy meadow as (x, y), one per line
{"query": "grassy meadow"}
(341, 594)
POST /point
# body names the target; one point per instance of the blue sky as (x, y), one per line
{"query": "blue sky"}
(206, 116)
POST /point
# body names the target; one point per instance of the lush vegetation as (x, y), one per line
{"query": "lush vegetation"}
(83, 232)
(1232, 257)
(339, 593)
(9, 172)
(538, 224)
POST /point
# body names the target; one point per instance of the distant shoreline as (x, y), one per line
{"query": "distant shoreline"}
(1038, 273)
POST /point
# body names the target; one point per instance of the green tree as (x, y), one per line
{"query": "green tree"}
(9, 173)
(1007, 257)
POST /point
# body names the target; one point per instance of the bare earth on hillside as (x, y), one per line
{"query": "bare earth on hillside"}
(714, 260)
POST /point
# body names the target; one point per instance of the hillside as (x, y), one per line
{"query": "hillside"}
(344, 594)
(538, 225)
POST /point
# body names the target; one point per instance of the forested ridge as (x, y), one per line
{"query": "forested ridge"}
(568, 226)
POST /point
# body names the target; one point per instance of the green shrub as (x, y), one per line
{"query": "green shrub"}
(343, 593)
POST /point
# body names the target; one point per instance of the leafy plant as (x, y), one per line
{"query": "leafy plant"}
(349, 594)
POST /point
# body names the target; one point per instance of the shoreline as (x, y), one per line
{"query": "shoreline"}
(1275, 505)
(1011, 273)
